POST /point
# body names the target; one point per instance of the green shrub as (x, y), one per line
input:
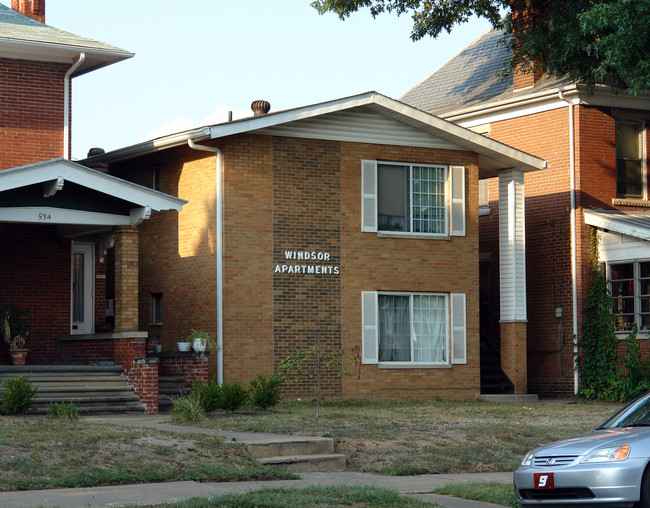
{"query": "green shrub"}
(233, 396)
(207, 394)
(63, 411)
(187, 410)
(266, 393)
(17, 394)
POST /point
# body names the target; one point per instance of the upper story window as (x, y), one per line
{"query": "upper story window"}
(630, 287)
(630, 167)
(423, 199)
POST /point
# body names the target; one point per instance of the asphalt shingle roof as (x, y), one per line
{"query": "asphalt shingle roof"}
(16, 26)
(471, 78)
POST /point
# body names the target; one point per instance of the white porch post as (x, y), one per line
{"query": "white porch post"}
(512, 259)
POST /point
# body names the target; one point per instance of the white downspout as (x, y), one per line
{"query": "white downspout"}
(574, 241)
(66, 105)
(219, 240)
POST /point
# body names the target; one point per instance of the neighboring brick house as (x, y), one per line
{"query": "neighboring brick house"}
(69, 233)
(352, 224)
(596, 146)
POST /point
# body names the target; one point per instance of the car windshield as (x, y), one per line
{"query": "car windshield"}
(635, 414)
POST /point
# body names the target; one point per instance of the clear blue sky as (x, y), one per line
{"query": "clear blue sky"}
(196, 60)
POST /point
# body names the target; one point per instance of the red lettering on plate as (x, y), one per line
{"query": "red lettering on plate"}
(544, 481)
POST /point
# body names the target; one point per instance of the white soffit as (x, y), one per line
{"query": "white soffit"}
(635, 224)
(53, 175)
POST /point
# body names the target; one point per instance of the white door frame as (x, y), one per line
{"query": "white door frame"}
(82, 318)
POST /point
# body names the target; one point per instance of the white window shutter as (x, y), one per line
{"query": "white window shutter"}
(370, 341)
(457, 176)
(369, 196)
(458, 329)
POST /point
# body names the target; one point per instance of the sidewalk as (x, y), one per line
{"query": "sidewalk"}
(420, 487)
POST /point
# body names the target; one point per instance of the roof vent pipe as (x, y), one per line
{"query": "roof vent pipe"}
(260, 107)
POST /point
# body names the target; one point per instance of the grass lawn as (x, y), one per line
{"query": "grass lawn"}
(407, 438)
(40, 453)
(380, 437)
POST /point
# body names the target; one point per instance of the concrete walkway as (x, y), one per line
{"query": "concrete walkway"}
(420, 487)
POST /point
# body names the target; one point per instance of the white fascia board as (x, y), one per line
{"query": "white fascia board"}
(51, 215)
(151, 146)
(61, 53)
(618, 222)
(60, 168)
(508, 156)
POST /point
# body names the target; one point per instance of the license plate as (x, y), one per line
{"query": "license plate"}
(544, 481)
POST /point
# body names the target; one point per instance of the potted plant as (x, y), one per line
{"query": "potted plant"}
(15, 339)
(199, 340)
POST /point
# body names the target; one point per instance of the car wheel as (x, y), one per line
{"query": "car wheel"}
(645, 490)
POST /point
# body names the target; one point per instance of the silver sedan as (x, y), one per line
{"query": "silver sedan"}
(605, 467)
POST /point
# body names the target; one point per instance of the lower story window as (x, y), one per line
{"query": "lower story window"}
(413, 328)
(630, 287)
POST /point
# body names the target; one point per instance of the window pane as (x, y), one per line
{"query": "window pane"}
(428, 199)
(392, 198)
(628, 140)
(629, 181)
(78, 287)
(394, 329)
(644, 269)
(629, 176)
(622, 271)
(429, 328)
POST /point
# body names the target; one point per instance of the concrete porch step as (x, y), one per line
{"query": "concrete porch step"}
(93, 389)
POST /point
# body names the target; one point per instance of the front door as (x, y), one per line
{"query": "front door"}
(82, 308)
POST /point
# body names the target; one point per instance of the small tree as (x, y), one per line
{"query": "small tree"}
(311, 363)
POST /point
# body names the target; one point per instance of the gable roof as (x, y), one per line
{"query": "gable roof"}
(368, 117)
(23, 37)
(69, 193)
(471, 84)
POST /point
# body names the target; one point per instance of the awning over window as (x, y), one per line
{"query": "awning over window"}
(66, 193)
(635, 224)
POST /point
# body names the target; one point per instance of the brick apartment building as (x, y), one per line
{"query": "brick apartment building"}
(352, 224)
(596, 146)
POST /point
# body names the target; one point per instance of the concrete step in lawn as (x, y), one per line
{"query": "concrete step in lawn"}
(297, 454)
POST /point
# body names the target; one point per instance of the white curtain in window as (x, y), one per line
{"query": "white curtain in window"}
(394, 329)
(429, 328)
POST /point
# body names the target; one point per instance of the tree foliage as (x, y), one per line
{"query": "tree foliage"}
(590, 41)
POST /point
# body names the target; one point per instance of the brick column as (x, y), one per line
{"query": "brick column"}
(126, 279)
(513, 354)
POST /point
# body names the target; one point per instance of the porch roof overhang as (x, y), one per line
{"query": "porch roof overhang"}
(61, 192)
(635, 224)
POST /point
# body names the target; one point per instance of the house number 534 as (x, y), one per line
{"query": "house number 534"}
(44, 216)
